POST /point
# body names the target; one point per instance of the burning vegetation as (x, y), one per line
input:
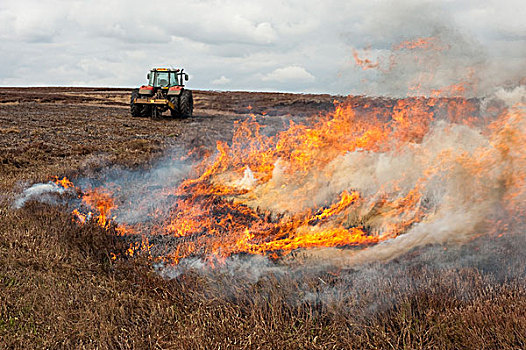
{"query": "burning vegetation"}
(407, 172)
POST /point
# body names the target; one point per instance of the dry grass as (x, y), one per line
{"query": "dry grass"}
(60, 289)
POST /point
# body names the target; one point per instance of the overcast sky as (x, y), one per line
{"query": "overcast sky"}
(272, 45)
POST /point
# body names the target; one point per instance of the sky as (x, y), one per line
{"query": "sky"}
(273, 45)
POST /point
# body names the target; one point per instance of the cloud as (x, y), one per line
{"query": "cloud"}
(285, 45)
(221, 81)
(289, 74)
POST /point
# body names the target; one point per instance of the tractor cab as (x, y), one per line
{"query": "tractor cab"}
(166, 78)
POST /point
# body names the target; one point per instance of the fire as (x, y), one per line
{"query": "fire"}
(103, 202)
(422, 44)
(364, 63)
(64, 182)
(371, 171)
(266, 194)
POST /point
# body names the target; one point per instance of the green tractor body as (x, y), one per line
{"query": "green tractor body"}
(165, 91)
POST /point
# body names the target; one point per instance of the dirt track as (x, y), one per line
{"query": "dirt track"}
(67, 131)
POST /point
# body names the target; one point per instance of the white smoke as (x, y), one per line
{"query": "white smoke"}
(41, 192)
(139, 193)
(247, 182)
(455, 55)
(249, 268)
(512, 97)
(459, 172)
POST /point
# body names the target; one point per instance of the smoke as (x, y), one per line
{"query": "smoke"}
(512, 97)
(46, 193)
(447, 187)
(466, 178)
(456, 199)
(246, 268)
(140, 193)
(460, 269)
(420, 49)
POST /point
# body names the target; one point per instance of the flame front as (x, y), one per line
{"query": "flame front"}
(368, 172)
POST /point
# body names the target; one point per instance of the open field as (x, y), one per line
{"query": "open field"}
(59, 287)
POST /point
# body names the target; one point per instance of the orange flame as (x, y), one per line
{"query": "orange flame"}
(364, 63)
(64, 182)
(421, 43)
(103, 202)
(263, 194)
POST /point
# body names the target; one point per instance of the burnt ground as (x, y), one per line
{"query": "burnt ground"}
(60, 289)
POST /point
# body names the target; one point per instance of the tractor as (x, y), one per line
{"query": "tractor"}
(165, 91)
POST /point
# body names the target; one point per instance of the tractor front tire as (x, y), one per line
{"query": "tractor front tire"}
(186, 104)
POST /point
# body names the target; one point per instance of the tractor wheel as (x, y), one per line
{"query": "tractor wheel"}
(186, 104)
(175, 112)
(136, 110)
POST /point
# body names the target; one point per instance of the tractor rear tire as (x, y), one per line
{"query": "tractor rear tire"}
(136, 110)
(186, 104)
(175, 112)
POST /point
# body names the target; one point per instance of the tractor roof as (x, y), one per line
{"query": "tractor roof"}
(165, 70)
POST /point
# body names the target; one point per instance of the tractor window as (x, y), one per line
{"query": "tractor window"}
(173, 79)
(162, 79)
